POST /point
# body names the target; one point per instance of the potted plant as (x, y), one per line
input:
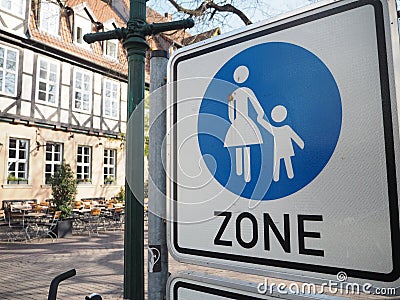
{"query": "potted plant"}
(11, 179)
(63, 184)
(84, 181)
(120, 196)
(109, 180)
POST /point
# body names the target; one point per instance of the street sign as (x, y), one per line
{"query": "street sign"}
(284, 146)
(184, 287)
(199, 286)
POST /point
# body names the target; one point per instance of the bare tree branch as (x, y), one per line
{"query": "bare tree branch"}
(213, 14)
(225, 13)
(211, 5)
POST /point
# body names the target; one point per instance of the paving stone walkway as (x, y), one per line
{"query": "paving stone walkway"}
(28, 268)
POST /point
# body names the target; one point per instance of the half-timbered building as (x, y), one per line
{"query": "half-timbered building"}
(62, 99)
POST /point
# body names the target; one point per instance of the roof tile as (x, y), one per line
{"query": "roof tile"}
(65, 40)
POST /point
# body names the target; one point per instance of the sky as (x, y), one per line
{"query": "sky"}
(269, 8)
(265, 9)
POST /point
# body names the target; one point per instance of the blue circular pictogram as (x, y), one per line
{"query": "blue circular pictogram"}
(269, 121)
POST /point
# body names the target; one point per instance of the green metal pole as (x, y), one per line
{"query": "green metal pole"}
(136, 46)
(134, 37)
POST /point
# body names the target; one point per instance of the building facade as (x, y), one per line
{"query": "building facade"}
(60, 98)
(63, 99)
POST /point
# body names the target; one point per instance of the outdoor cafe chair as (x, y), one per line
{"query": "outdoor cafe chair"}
(17, 229)
(3, 219)
(47, 229)
(78, 223)
(78, 204)
(40, 209)
(95, 221)
(3, 222)
(118, 218)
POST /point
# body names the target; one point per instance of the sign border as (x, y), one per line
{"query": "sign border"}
(236, 289)
(210, 290)
(389, 152)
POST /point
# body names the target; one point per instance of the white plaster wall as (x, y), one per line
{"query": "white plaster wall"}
(36, 188)
(28, 61)
(26, 86)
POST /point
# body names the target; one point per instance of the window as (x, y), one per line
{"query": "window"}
(83, 163)
(110, 47)
(111, 97)
(47, 86)
(82, 26)
(49, 17)
(82, 90)
(109, 165)
(8, 71)
(17, 161)
(16, 7)
(53, 159)
(79, 35)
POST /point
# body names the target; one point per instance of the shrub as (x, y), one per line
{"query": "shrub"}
(63, 184)
(120, 197)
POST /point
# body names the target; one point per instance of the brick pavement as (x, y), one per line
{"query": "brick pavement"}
(28, 268)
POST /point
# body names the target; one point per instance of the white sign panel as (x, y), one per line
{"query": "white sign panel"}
(198, 286)
(284, 146)
(189, 289)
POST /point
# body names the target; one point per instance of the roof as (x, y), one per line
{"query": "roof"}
(201, 36)
(152, 16)
(174, 36)
(103, 12)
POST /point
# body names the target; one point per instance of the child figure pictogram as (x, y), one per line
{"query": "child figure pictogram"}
(283, 145)
(283, 137)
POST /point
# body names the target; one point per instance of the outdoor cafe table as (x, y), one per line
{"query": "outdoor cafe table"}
(35, 215)
(81, 210)
(6, 204)
(23, 208)
(29, 216)
(26, 226)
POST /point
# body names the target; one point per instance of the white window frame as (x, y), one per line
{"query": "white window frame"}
(49, 16)
(83, 163)
(53, 163)
(109, 163)
(106, 44)
(80, 19)
(109, 25)
(82, 91)
(111, 99)
(4, 71)
(16, 10)
(48, 81)
(17, 161)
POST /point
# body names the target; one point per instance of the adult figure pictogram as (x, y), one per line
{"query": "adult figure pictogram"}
(243, 132)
